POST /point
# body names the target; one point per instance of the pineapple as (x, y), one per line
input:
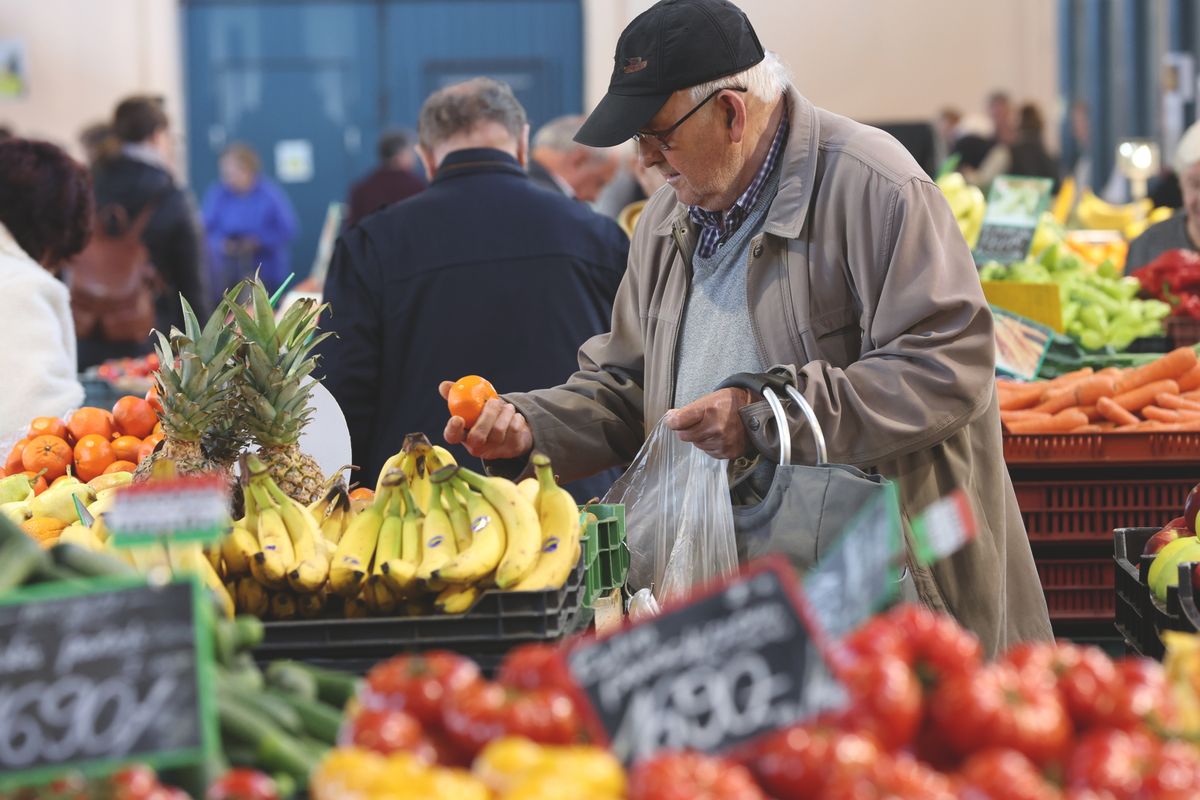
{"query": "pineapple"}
(274, 392)
(194, 380)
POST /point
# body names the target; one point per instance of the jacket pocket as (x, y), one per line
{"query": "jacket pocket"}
(835, 337)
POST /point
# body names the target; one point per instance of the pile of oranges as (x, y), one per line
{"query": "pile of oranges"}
(89, 443)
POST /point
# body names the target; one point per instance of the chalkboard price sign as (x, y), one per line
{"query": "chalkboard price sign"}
(103, 674)
(710, 674)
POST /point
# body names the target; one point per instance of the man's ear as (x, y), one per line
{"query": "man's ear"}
(523, 146)
(427, 161)
(733, 106)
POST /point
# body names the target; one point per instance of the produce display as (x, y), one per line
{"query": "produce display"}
(1162, 395)
(1099, 306)
(967, 202)
(1172, 545)
(129, 375)
(1174, 277)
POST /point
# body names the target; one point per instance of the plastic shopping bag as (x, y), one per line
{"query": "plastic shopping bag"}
(678, 517)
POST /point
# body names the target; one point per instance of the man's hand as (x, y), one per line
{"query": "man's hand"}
(712, 423)
(500, 432)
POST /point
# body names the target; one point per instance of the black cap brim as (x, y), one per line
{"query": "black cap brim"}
(618, 117)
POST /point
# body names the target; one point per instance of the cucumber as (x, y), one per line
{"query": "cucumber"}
(239, 754)
(19, 559)
(320, 721)
(274, 750)
(224, 641)
(285, 785)
(89, 562)
(269, 706)
(246, 673)
(249, 631)
(287, 677)
(49, 572)
(333, 687)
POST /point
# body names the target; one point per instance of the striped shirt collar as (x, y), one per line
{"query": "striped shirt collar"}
(717, 226)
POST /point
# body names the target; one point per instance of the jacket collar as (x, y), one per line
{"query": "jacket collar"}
(798, 173)
(474, 160)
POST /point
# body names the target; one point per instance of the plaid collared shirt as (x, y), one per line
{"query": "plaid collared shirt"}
(717, 226)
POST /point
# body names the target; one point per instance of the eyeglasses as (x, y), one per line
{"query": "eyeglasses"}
(660, 137)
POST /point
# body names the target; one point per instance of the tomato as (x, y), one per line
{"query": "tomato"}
(485, 711)
(134, 782)
(1176, 773)
(243, 784)
(899, 778)
(795, 763)
(533, 666)
(1086, 677)
(1111, 761)
(1005, 775)
(1001, 706)
(387, 730)
(885, 699)
(419, 684)
(1142, 694)
(934, 645)
(691, 776)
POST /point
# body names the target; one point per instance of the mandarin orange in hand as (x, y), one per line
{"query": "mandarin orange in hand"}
(49, 453)
(468, 396)
(43, 426)
(134, 416)
(93, 454)
(89, 420)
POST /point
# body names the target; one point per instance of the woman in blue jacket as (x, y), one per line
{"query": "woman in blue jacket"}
(249, 223)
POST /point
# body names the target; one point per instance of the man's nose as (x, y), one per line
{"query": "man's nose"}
(649, 153)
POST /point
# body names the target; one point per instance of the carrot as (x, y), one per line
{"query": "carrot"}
(1096, 427)
(1161, 414)
(1144, 395)
(1089, 390)
(1141, 427)
(1113, 412)
(1062, 422)
(1093, 414)
(1069, 378)
(1192, 395)
(1021, 396)
(1177, 403)
(1190, 380)
(1190, 425)
(1023, 413)
(1173, 365)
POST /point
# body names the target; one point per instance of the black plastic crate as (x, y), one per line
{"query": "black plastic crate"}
(496, 623)
(1133, 616)
(1187, 596)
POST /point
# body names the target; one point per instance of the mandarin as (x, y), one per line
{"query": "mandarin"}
(93, 454)
(12, 464)
(120, 466)
(47, 426)
(468, 396)
(134, 416)
(125, 448)
(89, 420)
(49, 453)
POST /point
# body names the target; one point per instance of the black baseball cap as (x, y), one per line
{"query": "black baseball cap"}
(672, 45)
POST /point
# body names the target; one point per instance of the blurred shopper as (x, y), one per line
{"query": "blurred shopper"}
(134, 188)
(563, 165)
(997, 153)
(482, 273)
(649, 181)
(249, 223)
(98, 142)
(390, 182)
(1028, 151)
(1182, 230)
(949, 129)
(793, 237)
(45, 218)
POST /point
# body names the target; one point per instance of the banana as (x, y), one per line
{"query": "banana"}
(261, 573)
(338, 517)
(439, 546)
(354, 608)
(399, 572)
(521, 526)
(252, 597)
(559, 519)
(488, 541)
(283, 605)
(278, 556)
(190, 557)
(310, 606)
(460, 521)
(237, 549)
(212, 551)
(456, 599)
(312, 567)
(388, 546)
(529, 488)
(80, 535)
(352, 558)
(378, 596)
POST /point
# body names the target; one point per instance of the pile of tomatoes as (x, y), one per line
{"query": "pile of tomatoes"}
(929, 719)
(91, 442)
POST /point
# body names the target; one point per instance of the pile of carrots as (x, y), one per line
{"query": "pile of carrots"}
(1163, 395)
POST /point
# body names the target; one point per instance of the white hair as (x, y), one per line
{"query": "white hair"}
(766, 80)
(1187, 152)
(559, 133)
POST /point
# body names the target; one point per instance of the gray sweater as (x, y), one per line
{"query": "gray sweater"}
(717, 340)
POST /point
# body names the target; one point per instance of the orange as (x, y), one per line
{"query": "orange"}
(48, 453)
(93, 454)
(152, 399)
(120, 466)
(43, 530)
(362, 493)
(47, 425)
(12, 464)
(39, 481)
(134, 416)
(125, 448)
(158, 429)
(148, 445)
(89, 420)
(468, 396)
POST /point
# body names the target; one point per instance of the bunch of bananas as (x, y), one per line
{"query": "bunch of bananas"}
(1131, 219)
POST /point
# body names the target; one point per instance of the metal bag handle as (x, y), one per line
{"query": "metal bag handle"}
(768, 385)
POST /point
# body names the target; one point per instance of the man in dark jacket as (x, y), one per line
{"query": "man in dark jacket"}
(482, 273)
(563, 165)
(133, 177)
(390, 182)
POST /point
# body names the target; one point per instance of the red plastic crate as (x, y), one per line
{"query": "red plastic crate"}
(1079, 588)
(1092, 449)
(1089, 510)
(1184, 331)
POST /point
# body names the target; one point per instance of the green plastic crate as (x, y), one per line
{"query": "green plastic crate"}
(606, 554)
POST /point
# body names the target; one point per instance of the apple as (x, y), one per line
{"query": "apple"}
(1179, 522)
(1191, 507)
(1163, 537)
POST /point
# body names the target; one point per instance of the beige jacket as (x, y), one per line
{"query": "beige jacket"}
(861, 282)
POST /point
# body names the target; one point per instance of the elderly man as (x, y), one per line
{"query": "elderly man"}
(1182, 230)
(790, 236)
(562, 165)
(482, 273)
